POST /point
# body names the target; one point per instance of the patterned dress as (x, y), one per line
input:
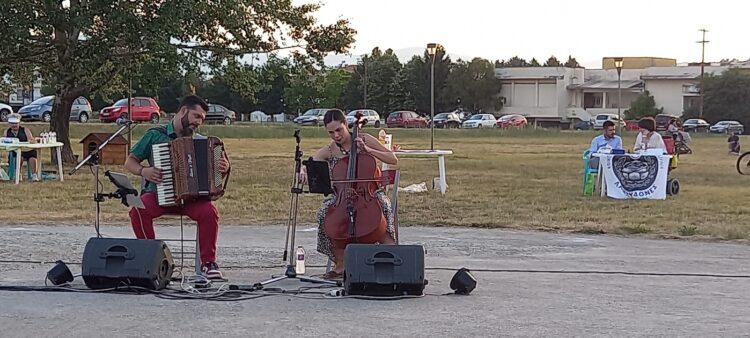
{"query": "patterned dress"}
(324, 242)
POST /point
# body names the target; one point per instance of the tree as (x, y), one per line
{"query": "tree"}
(516, 62)
(411, 90)
(644, 105)
(727, 97)
(534, 63)
(475, 84)
(572, 62)
(81, 47)
(552, 62)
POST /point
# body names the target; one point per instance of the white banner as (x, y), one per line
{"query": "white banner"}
(635, 176)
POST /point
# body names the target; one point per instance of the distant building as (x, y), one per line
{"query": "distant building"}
(20, 95)
(561, 95)
(608, 62)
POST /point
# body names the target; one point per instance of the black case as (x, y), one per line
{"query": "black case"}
(384, 270)
(112, 262)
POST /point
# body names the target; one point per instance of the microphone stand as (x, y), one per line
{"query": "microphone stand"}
(93, 160)
(291, 229)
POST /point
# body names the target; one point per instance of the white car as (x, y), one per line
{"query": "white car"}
(5, 110)
(601, 118)
(480, 121)
(372, 117)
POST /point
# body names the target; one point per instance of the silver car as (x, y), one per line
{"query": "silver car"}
(312, 117)
(41, 110)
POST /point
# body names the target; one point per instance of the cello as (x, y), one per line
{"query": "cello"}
(357, 214)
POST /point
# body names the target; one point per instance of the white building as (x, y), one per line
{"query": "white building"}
(557, 95)
(540, 93)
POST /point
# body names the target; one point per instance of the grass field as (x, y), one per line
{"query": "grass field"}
(517, 179)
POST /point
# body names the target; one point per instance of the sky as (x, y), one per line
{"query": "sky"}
(586, 29)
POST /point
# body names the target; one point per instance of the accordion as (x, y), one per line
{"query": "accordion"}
(190, 170)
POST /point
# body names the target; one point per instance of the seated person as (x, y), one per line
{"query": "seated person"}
(191, 114)
(335, 123)
(647, 137)
(607, 139)
(23, 135)
(734, 143)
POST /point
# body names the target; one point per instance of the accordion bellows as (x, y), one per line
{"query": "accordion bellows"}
(190, 170)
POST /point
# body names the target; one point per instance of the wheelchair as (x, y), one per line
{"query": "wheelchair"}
(681, 143)
(673, 184)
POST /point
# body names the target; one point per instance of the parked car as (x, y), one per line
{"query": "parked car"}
(405, 119)
(696, 125)
(312, 117)
(600, 118)
(584, 125)
(727, 127)
(512, 120)
(219, 113)
(41, 110)
(372, 117)
(480, 121)
(5, 110)
(662, 121)
(447, 120)
(142, 108)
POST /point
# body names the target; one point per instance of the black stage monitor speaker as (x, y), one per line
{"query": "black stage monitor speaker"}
(384, 270)
(112, 262)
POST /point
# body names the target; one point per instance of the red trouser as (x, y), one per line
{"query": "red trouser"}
(203, 212)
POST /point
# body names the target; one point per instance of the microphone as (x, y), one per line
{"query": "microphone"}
(123, 122)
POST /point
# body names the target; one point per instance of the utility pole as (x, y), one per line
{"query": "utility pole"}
(364, 64)
(703, 61)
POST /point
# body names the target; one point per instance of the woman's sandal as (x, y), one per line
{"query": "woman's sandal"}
(333, 275)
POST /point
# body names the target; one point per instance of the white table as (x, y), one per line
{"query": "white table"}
(19, 147)
(440, 154)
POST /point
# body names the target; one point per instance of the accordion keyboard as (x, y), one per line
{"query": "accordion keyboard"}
(165, 191)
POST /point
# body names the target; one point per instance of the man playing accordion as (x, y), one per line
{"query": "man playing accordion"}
(190, 116)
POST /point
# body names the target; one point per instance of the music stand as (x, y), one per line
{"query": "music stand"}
(319, 182)
(318, 177)
(125, 191)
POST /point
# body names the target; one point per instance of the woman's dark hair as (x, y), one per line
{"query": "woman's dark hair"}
(334, 115)
(647, 123)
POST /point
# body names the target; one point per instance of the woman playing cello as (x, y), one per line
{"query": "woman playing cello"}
(335, 123)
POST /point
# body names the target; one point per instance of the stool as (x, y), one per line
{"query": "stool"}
(185, 252)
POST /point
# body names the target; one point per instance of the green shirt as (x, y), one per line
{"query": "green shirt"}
(142, 149)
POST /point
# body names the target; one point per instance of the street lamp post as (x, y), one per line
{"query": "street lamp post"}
(431, 49)
(618, 65)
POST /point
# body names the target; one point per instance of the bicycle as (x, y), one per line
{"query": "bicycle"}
(744, 158)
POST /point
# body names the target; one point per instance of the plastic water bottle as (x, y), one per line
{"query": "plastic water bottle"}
(299, 266)
(53, 137)
(44, 137)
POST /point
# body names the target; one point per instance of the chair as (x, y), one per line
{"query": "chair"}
(673, 184)
(590, 172)
(12, 167)
(394, 176)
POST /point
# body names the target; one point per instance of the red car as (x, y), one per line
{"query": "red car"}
(142, 108)
(514, 120)
(405, 119)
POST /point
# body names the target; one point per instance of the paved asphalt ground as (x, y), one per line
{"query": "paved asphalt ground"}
(522, 300)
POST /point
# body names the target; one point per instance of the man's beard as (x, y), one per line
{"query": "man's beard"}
(187, 129)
